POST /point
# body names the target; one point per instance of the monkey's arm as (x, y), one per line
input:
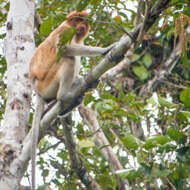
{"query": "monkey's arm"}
(82, 50)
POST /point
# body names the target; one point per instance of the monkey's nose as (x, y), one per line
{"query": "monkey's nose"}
(81, 28)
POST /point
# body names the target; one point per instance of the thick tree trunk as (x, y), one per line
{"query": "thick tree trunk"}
(19, 47)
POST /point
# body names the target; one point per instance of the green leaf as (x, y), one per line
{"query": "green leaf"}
(143, 157)
(42, 187)
(184, 115)
(170, 32)
(178, 136)
(147, 60)
(135, 57)
(46, 26)
(82, 4)
(95, 2)
(185, 60)
(135, 117)
(86, 143)
(65, 37)
(105, 106)
(151, 101)
(154, 141)
(185, 97)
(88, 98)
(141, 72)
(174, 1)
(166, 148)
(131, 142)
(130, 97)
(164, 103)
(45, 172)
(160, 173)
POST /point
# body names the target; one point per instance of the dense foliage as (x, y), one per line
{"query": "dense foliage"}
(144, 111)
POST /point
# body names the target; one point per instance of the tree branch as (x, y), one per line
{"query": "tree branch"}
(109, 61)
(90, 117)
(76, 162)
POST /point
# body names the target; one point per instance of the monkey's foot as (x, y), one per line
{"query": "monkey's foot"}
(73, 105)
(94, 84)
(49, 106)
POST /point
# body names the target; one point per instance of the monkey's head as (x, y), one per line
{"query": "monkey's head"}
(79, 20)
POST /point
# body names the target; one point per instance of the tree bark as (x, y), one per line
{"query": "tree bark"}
(19, 47)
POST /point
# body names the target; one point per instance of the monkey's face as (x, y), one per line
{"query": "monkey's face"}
(81, 25)
(79, 21)
(82, 29)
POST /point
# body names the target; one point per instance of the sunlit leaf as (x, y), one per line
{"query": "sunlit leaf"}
(86, 143)
(151, 101)
(160, 173)
(118, 19)
(117, 1)
(163, 102)
(106, 115)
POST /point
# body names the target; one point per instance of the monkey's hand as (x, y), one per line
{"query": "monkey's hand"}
(106, 50)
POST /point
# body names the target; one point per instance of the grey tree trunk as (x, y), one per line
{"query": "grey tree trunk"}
(19, 48)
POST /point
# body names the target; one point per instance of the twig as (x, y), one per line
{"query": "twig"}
(48, 148)
(142, 30)
(173, 187)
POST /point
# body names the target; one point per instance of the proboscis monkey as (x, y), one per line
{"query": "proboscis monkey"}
(51, 77)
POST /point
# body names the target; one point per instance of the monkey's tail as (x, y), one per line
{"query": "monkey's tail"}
(35, 133)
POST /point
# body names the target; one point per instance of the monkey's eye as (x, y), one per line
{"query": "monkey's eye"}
(80, 19)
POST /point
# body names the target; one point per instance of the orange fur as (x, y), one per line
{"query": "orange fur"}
(44, 69)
